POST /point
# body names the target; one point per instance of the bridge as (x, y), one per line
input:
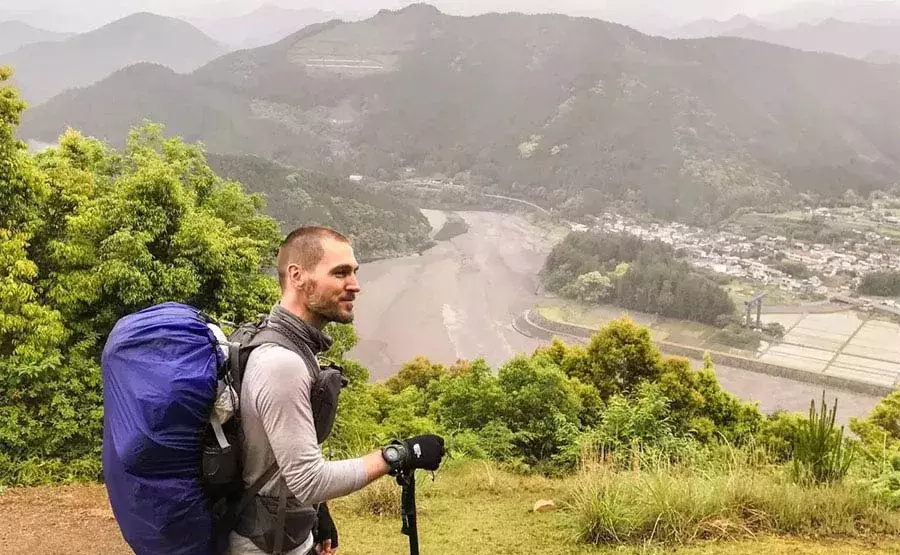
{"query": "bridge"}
(520, 201)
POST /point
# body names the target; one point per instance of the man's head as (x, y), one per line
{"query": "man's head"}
(317, 272)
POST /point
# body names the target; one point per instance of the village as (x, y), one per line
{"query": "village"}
(756, 258)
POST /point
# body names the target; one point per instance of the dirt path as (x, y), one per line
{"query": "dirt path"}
(65, 520)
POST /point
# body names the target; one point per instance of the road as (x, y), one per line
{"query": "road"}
(459, 299)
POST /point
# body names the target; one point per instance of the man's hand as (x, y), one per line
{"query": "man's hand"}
(425, 452)
(325, 535)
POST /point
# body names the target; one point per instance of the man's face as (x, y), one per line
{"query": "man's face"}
(331, 287)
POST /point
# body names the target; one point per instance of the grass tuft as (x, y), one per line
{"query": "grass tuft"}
(684, 506)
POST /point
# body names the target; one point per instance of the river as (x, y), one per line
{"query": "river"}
(458, 301)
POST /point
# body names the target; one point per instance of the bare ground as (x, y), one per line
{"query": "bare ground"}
(63, 520)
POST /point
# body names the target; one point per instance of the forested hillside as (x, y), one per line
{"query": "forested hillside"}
(641, 275)
(379, 224)
(570, 111)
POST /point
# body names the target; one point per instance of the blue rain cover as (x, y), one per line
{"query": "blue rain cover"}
(159, 384)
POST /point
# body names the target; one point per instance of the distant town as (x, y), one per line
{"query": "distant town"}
(753, 258)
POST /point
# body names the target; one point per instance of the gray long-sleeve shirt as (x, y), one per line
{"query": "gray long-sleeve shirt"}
(278, 426)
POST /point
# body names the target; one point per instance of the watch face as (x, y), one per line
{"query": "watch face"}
(391, 454)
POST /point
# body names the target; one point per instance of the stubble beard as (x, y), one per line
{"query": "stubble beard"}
(327, 309)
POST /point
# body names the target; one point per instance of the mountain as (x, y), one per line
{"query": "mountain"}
(709, 28)
(866, 11)
(45, 69)
(569, 112)
(882, 57)
(855, 40)
(16, 34)
(265, 25)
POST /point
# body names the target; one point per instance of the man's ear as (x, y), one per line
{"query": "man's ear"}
(296, 275)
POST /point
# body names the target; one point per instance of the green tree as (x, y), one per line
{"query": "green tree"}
(469, 399)
(88, 235)
(620, 356)
(418, 373)
(39, 383)
(541, 406)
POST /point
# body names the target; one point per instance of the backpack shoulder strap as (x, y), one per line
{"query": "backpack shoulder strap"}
(271, 334)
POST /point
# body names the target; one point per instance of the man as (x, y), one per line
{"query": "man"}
(317, 272)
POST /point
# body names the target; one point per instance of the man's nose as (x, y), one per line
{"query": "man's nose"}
(353, 285)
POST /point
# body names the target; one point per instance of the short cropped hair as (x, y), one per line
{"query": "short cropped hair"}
(303, 246)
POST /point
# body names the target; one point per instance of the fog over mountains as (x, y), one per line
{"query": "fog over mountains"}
(45, 69)
(568, 110)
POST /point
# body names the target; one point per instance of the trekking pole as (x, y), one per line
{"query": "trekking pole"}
(407, 479)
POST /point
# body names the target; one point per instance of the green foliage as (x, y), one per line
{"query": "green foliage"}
(820, 453)
(88, 235)
(470, 399)
(635, 274)
(540, 406)
(794, 269)
(880, 432)
(379, 224)
(619, 357)
(780, 433)
(737, 336)
(883, 283)
(418, 373)
(643, 418)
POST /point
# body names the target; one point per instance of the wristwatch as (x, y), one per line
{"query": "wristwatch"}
(395, 456)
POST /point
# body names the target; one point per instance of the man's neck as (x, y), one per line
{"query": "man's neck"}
(302, 312)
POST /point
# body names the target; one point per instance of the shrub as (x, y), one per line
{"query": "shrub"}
(780, 433)
(540, 406)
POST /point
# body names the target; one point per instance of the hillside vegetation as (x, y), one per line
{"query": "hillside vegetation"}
(567, 111)
(640, 275)
(380, 225)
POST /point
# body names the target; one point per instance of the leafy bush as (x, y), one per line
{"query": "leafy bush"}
(737, 336)
(643, 418)
(540, 407)
(780, 432)
(885, 283)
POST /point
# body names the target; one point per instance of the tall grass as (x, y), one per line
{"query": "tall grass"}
(681, 505)
(820, 453)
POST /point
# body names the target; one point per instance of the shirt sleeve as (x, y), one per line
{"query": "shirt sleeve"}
(283, 403)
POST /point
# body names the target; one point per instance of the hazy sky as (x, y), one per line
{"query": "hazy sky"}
(627, 11)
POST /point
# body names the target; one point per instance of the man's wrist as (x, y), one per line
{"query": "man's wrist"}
(395, 455)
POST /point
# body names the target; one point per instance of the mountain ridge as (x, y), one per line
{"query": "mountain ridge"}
(266, 24)
(573, 111)
(16, 34)
(43, 70)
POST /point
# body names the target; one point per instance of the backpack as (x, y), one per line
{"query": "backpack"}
(172, 458)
